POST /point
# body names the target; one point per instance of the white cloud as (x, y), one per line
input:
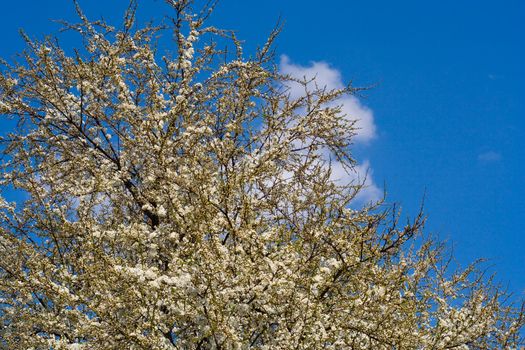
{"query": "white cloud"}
(361, 174)
(330, 78)
(489, 157)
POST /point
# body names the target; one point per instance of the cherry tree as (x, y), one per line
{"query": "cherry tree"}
(179, 197)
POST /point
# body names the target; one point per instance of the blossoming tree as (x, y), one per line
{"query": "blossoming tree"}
(184, 200)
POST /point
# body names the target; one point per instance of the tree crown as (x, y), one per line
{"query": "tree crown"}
(185, 200)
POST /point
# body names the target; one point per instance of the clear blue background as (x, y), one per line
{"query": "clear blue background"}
(450, 87)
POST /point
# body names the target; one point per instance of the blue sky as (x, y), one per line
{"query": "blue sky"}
(448, 101)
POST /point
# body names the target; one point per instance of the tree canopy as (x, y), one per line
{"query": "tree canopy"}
(183, 199)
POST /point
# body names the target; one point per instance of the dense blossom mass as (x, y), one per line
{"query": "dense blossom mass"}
(183, 199)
